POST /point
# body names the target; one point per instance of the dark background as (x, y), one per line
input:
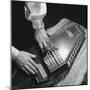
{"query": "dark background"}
(22, 31)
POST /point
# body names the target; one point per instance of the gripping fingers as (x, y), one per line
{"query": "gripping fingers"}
(41, 46)
(28, 69)
(44, 43)
(32, 67)
(32, 63)
(25, 70)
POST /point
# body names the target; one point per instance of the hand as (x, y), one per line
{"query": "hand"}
(24, 60)
(42, 39)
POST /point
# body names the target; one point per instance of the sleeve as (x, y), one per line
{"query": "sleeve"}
(35, 12)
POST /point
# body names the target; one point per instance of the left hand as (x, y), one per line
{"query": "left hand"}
(42, 39)
(26, 62)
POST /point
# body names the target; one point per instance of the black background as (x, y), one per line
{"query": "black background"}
(21, 30)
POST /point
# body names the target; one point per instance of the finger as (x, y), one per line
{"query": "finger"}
(29, 69)
(32, 67)
(44, 43)
(25, 70)
(32, 62)
(32, 55)
(47, 40)
(40, 44)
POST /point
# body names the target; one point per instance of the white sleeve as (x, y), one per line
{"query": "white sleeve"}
(36, 8)
(35, 12)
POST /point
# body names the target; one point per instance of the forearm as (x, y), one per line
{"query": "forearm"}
(14, 52)
(35, 12)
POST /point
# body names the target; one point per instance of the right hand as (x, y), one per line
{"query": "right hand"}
(42, 39)
(24, 60)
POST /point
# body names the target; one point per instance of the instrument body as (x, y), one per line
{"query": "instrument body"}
(62, 51)
(66, 39)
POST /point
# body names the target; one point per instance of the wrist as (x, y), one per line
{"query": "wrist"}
(40, 31)
(15, 52)
(37, 24)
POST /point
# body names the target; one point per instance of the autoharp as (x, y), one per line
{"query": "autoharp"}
(65, 43)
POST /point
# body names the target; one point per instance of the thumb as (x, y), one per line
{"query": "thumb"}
(32, 55)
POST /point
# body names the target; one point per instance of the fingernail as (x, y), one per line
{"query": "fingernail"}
(34, 55)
